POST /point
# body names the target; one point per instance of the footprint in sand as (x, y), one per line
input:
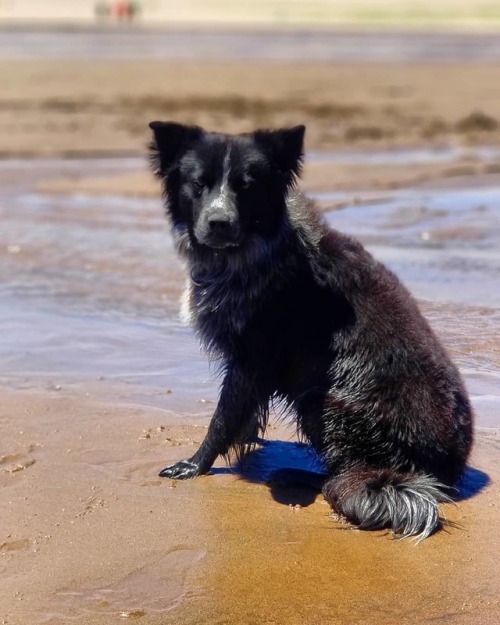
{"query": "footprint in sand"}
(13, 463)
(14, 545)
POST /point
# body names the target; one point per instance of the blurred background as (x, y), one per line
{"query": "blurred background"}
(274, 12)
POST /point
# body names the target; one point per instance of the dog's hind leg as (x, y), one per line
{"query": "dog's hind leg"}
(371, 498)
(235, 422)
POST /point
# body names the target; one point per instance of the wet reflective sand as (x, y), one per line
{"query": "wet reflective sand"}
(102, 386)
(91, 287)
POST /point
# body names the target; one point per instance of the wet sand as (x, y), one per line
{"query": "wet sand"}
(91, 535)
(100, 386)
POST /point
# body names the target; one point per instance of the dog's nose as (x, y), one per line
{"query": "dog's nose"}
(220, 226)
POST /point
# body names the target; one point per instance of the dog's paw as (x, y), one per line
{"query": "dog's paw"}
(183, 470)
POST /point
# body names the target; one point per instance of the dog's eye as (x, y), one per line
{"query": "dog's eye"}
(197, 187)
(246, 182)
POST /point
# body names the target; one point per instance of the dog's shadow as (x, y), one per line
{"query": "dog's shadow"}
(471, 483)
(295, 473)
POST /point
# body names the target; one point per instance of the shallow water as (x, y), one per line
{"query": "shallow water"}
(90, 285)
(392, 45)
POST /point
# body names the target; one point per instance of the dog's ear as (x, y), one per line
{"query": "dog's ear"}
(169, 139)
(285, 148)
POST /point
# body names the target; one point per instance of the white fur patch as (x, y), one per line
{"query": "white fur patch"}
(221, 200)
(186, 315)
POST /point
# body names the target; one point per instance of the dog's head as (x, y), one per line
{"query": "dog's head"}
(223, 190)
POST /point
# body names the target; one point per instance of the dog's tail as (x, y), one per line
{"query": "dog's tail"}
(407, 503)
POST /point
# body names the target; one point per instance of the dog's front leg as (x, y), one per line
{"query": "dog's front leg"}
(234, 419)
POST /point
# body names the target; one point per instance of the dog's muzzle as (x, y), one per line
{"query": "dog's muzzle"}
(218, 225)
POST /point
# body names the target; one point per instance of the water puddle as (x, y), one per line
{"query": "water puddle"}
(424, 154)
(443, 243)
(90, 285)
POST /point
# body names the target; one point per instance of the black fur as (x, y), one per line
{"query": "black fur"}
(302, 314)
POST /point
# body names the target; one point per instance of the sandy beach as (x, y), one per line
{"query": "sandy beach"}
(100, 386)
(78, 107)
(95, 537)
(83, 108)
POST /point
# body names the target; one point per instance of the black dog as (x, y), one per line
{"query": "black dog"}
(299, 313)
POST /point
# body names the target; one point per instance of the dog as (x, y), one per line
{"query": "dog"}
(303, 316)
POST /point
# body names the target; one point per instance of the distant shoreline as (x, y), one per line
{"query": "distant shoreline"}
(52, 24)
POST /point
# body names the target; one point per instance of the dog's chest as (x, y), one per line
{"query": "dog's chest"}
(219, 310)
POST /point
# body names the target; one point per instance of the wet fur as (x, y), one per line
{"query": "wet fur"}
(297, 313)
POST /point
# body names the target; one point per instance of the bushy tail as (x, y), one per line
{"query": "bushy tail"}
(407, 503)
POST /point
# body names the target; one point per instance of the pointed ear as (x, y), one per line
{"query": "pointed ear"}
(169, 139)
(285, 148)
